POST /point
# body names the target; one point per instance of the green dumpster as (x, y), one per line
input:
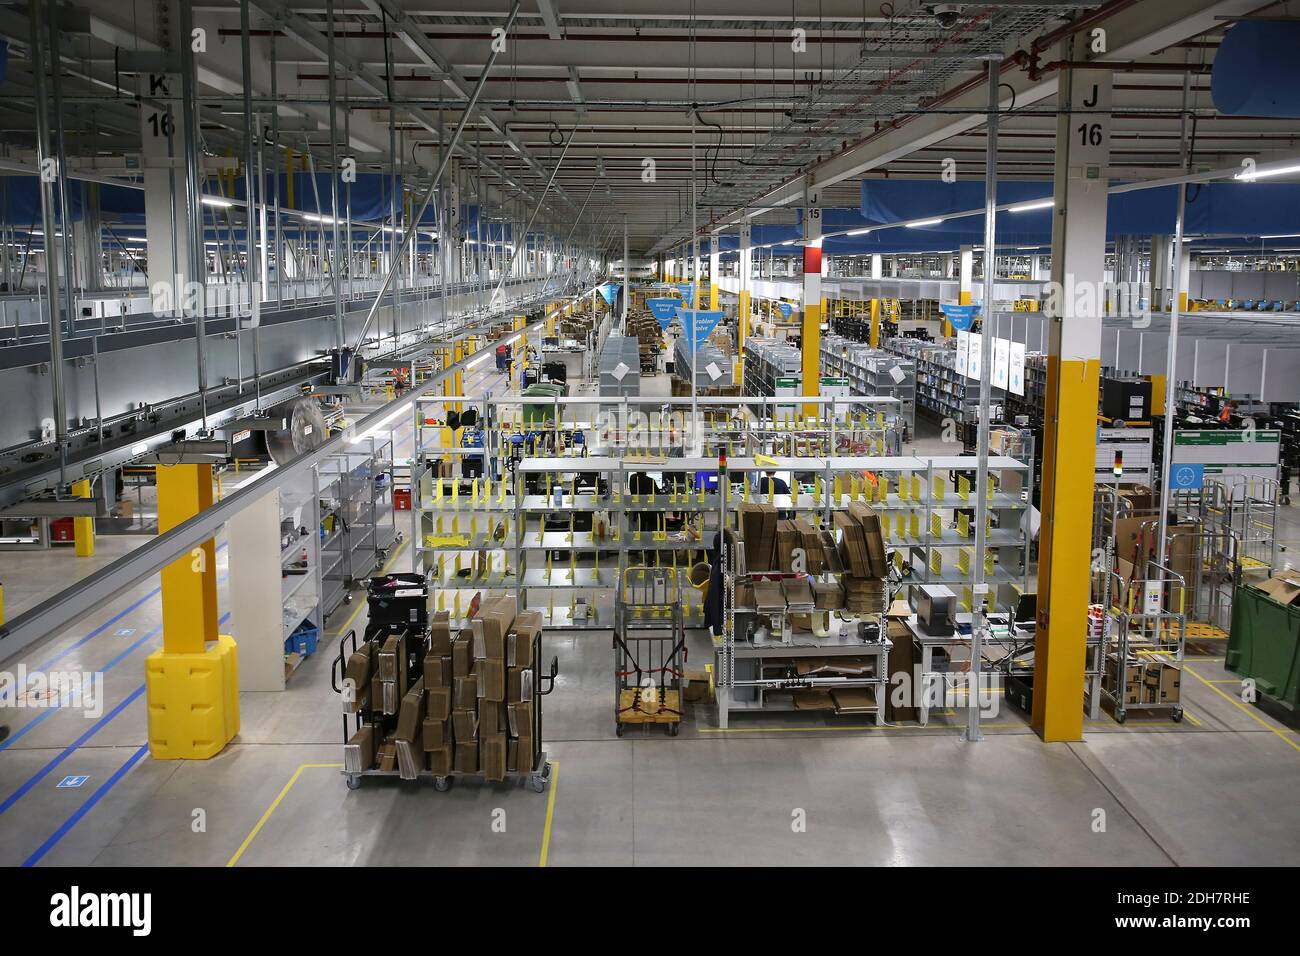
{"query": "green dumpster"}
(543, 411)
(1265, 645)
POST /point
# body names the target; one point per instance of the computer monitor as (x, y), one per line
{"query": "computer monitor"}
(1027, 609)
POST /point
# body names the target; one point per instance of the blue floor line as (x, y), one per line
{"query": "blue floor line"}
(86, 807)
(71, 748)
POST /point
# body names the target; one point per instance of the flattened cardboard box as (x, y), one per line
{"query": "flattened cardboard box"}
(466, 757)
(464, 725)
(492, 757)
(442, 761)
(462, 657)
(491, 718)
(392, 658)
(436, 735)
(521, 718)
(358, 672)
(519, 651)
(411, 712)
(492, 680)
(465, 692)
(438, 705)
(440, 632)
(359, 752)
(388, 755)
(519, 684)
(437, 670)
(828, 595)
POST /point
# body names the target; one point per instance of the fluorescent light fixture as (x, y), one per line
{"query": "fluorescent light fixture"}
(1266, 173)
(219, 203)
(1283, 235)
(372, 432)
(1027, 207)
(923, 222)
(1025, 248)
(858, 232)
(140, 448)
(788, 242)
(478, 361)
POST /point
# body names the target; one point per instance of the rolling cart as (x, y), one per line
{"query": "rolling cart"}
(539, 774)
(649, 651)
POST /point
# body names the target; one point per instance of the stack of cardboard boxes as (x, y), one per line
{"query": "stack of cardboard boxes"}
(1144, 681)
(862, 550)
(468, 708)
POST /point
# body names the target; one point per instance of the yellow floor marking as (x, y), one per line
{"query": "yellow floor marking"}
(276, 803)
(550, 813)
(1192, 717)
(817, 730)
(360, 607)
(1223, 681)
(1246, 710)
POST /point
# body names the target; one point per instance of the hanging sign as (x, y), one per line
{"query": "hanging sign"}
(785, 308)
(698, 324)
(663, 310)
(962, 317)
(1016, 369)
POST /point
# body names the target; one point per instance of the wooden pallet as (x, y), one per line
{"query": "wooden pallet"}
(668, 711)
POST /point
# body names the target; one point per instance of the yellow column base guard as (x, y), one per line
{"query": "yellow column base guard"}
(193, 701)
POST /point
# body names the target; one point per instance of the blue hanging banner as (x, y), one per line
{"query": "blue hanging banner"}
(663, 310)
(701, 323)
(785, 308)
(685, 288)
(962, 317)
(609, 292)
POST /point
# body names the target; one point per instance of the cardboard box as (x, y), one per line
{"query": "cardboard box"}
(442, 760)
(462, 657)
(828, 595)
(359, 751)
(491, 718)
(490, 627)
(1283, 587)
(388, 755)
(389, 698)
(466, 756)
(437, 734)
(392, 658)
(437, 670)
(464, 725)
(810, 540)
(787, 539)
(903, 658)
(465, 692)
(520, 718)
(440, 632)
(512, 754)
(438, 703)
(519, 646)
(492, 679)
(410, 758)
(525, 753)
(358, 672)
(411, 712)
(758, 529)
(696, 689)
(519, 684)
(874, 538)
(853, 545)
(492, 757)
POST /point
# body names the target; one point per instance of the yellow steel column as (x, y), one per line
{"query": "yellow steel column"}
(875, 324)
(1070, 413)
(715, 264)
(83, 529)
(191, 682)
(811, 316)
(448, 389)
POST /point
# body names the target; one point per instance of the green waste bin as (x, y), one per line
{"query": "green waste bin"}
(543, 412)
(1265, 645)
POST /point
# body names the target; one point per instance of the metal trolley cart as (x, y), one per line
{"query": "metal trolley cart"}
(649, 650)
(539, 775)
(1145, 629)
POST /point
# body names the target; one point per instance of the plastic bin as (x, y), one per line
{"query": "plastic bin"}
(302, 641)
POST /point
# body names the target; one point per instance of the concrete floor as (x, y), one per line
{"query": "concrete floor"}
(1217, 789)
